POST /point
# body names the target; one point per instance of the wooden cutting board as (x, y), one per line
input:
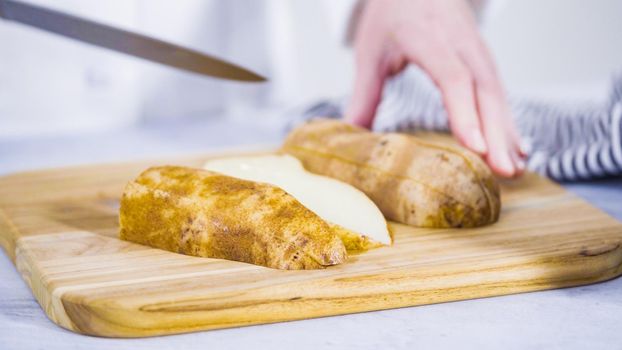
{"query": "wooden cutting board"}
(60, 229)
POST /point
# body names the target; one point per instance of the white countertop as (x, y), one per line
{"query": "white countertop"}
(571, 318)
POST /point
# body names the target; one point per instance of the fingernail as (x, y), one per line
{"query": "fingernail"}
(477, 142)
(505, 164)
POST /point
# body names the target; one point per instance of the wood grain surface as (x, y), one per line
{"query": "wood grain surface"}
(60, 229)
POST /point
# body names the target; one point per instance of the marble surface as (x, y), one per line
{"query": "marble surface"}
(572, 318)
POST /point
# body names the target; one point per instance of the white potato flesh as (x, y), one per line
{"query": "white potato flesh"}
(334, 201)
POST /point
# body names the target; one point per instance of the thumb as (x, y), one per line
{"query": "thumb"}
(367, 92)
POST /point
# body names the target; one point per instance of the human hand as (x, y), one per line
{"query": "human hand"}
(441, 37)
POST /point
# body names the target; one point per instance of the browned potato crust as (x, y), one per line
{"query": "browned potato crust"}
(203, 213)
(413, 182)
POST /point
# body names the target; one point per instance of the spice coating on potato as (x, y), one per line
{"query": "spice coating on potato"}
(412, 182)
(203, 213)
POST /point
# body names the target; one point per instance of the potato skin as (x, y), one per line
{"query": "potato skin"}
(207, 214)
(412, 181)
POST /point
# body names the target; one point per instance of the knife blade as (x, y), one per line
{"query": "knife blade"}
(124, 41)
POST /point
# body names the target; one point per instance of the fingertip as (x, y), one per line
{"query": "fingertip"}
(365, 98)
(502, 165)
(520, 168)
(520, 164)
(360, 119)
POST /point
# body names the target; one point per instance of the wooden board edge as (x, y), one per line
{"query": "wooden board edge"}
(8, 235)
(31, 273)
(103, 320)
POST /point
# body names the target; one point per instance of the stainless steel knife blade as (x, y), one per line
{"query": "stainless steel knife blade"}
(124, 41)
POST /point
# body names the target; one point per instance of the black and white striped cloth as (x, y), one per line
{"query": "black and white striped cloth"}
(565, 143)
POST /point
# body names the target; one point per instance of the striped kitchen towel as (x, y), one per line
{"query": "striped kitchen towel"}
(565, 143)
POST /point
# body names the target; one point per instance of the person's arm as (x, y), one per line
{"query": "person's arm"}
(441, 37)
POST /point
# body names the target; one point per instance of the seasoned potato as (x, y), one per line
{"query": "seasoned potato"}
(203, 213)
(413, 182)
(356, 219)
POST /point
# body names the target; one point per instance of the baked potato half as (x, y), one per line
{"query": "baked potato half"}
(412, 181)
(207, 214)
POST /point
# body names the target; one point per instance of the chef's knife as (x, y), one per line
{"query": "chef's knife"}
(123, 41)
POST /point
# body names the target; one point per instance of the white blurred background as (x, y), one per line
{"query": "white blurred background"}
(561, 49)
(49, 84)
